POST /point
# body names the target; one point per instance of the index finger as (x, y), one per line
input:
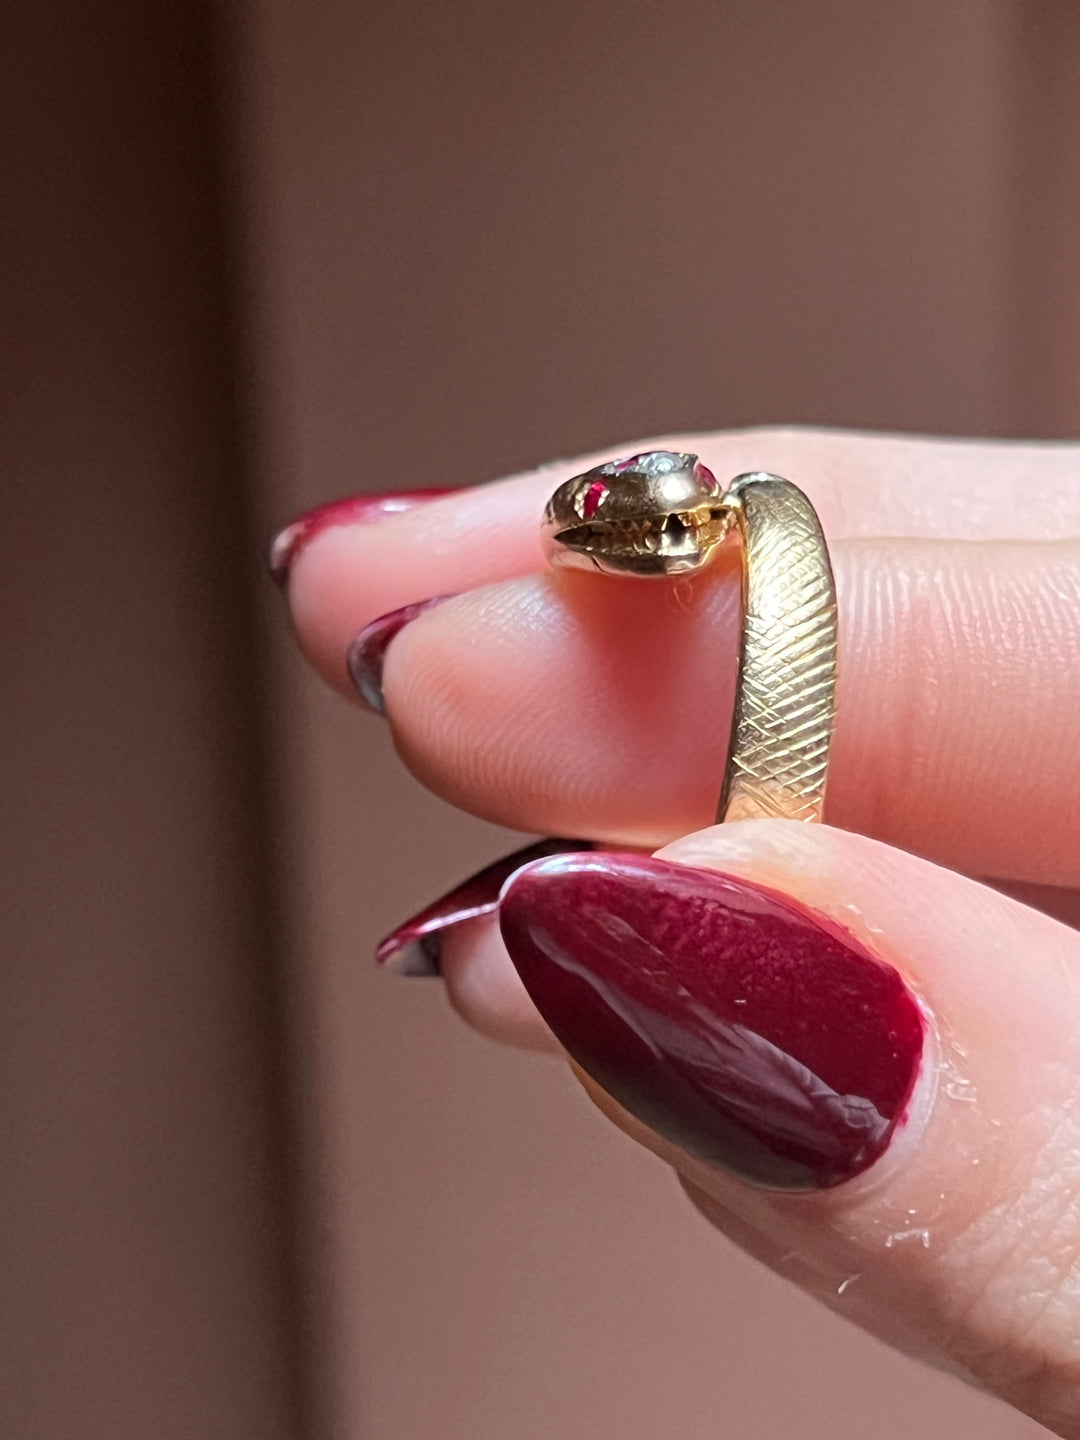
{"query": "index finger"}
(862, 485)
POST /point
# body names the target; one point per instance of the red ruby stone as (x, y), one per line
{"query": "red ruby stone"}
(594, 497)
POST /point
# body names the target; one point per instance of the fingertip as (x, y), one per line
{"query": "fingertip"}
(349, 563)
(338, 583)
(292, 539)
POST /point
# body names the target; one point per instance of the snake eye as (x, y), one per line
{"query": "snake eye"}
(591, 498)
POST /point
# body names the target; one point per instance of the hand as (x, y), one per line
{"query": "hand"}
(569, 705)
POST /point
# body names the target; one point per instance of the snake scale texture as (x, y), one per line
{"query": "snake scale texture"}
(784, 716)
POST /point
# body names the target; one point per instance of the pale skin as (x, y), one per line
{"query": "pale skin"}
(956, 761)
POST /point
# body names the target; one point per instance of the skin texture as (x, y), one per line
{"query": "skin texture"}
(534, 699)
(959, 681)
(353, 510)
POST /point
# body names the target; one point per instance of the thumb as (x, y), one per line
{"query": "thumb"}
(865, 1068)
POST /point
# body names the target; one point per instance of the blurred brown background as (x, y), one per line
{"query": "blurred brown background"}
(249, 261)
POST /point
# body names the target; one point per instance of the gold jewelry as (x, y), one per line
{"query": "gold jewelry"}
(663, 514)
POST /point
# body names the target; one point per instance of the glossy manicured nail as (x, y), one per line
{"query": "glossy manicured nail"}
(415, 948)
(756, 1035)
(367, 653)
(356, 510)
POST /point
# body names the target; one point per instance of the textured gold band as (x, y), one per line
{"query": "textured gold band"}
(785, 701)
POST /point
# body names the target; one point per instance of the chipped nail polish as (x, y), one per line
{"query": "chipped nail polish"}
(355, 510)
(756, 1035)
(414, 947)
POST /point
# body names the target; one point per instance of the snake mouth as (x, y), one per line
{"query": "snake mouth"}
(662, 544)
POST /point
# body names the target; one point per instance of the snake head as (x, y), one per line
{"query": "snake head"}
(656, 514)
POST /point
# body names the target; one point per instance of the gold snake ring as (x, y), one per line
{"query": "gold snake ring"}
(663, 514)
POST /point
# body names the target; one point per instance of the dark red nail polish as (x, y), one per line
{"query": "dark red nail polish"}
(759, 1037)
(415, 947)
(367, 653)
(356, 510)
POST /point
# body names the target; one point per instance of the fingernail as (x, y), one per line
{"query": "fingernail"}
(759, 1037)
(356, 510)
(415, 947)
(367, 653)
